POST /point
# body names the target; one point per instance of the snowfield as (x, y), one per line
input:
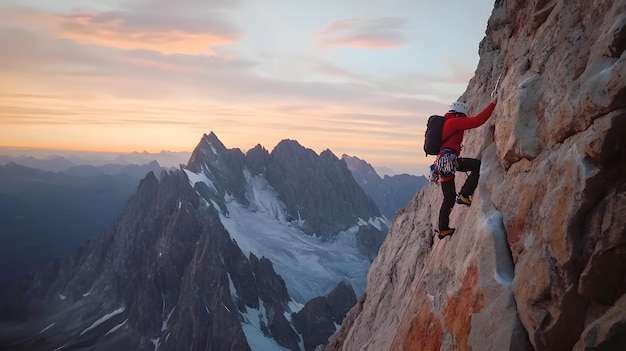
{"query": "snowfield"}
(310, 267)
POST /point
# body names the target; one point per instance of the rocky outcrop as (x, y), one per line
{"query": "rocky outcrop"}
(257, 159)
(340, 300)
(315, 323)
(537, 260)
(389, 193)
(369, 240)
(319, 317)
(273, 292)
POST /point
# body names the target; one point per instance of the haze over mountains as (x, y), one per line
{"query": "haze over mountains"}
(44, 214)
(61, 160)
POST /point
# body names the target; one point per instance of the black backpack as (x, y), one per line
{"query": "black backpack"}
(432, 138)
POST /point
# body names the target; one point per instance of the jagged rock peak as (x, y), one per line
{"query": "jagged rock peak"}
(292, 148)
(258, 148)
(214, 141)
(208, 150)
(289, 142)
(223, 167)
(257, 159)
(327, 154)
(149, 180)
(271, 286)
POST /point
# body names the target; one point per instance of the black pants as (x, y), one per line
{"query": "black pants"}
(449, 190)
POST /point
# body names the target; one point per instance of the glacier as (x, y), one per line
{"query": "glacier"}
(310, 266)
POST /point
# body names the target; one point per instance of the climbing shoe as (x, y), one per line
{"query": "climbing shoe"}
(462, 200)
(445, 232)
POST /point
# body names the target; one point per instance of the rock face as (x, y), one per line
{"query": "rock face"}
(389, 193)
(538, 260)
(312, 187)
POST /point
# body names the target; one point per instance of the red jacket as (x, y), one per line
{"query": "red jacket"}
(457, 125)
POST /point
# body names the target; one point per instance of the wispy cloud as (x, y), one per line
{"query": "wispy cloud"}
(193, 5)
(375, 33)
(329, 69)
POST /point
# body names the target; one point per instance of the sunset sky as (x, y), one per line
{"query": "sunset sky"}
(354, 76)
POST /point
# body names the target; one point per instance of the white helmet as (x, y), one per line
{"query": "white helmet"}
(459, 107)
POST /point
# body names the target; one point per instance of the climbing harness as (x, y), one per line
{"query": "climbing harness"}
(446, 162)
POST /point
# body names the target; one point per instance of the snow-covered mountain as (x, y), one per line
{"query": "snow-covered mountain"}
(311, 252)
(256, 251)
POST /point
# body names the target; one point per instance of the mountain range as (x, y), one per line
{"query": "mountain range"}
(261, 251)
(62, 160)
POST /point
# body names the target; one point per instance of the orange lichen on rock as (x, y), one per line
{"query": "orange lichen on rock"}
(425, 332)
(459, 308)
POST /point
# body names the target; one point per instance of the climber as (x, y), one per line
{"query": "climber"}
(448, 162)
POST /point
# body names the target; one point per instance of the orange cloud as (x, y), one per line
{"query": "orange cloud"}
(127, 32)
(169, 33)
(377, 33)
